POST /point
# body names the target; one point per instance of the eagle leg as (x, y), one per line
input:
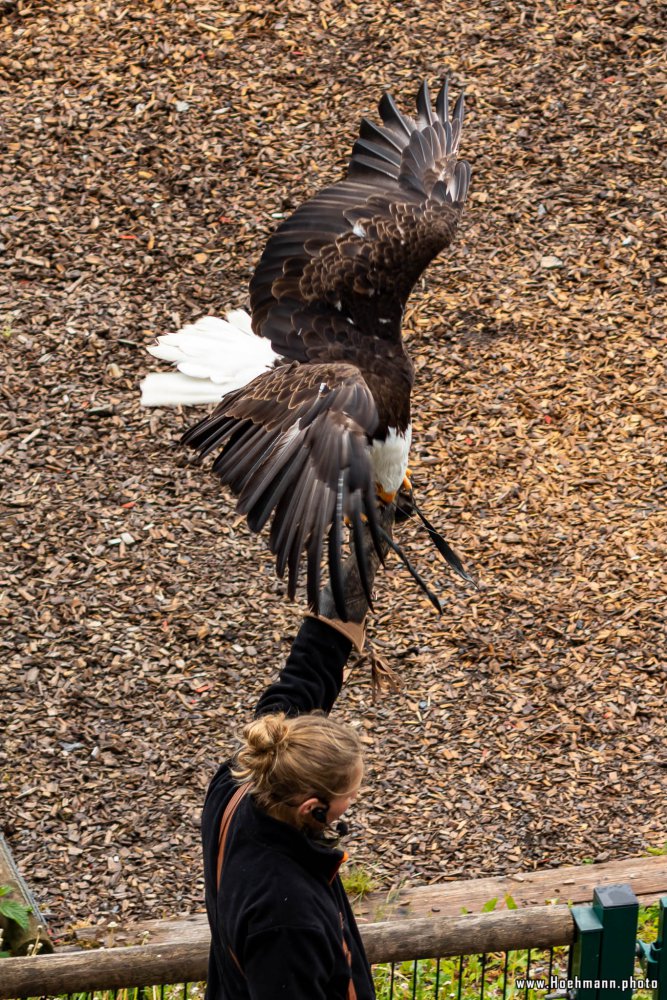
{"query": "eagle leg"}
(385, 497)
(390, 497)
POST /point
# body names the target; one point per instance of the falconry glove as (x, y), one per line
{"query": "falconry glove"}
(354, 631)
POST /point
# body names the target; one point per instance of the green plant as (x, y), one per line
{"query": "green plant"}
(10, 909)
(647, 925)
(358, 882)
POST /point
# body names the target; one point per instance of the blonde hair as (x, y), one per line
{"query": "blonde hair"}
(288, 759)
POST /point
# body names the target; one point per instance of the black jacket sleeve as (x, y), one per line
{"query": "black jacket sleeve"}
(313, 674)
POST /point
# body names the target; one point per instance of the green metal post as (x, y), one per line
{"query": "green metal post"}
(584, 959)
(653, 957)
(617, 909)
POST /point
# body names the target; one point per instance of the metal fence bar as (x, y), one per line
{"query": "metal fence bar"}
(505, 968)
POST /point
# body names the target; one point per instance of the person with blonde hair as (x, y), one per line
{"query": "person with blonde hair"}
(281, 923)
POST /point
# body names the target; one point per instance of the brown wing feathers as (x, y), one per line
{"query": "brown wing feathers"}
(295, 444)
(357, 248)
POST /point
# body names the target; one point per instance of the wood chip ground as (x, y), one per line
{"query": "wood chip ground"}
(148, 149)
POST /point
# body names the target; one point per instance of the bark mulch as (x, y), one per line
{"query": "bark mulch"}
(148, 150)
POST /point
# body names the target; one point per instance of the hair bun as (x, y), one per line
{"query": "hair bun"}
(266, 734)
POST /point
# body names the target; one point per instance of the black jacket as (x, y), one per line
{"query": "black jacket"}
(281, 924)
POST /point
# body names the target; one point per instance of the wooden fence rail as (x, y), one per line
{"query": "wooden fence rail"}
(391, 941)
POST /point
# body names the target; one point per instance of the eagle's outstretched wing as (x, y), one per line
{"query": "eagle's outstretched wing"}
(339, 271)
(295, 441)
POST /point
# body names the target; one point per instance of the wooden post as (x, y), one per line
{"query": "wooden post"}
(114, 968)
(173, 962)
(470, 934)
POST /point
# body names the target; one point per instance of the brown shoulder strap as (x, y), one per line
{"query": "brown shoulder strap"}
(231, 808)
(351, 990)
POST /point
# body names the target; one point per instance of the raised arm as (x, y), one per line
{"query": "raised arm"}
(313, 674)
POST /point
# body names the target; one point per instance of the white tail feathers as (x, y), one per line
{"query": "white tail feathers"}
(213, 357)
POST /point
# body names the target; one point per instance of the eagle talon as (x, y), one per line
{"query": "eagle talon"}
(407, 484)
(386, 497)
(347, 521)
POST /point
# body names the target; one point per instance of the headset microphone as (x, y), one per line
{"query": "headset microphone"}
(333, 831)
(319, 813)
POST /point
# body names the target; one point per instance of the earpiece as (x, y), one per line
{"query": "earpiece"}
(319, 813)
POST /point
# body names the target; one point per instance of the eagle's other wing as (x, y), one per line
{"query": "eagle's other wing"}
(295, 441)
(341, 268)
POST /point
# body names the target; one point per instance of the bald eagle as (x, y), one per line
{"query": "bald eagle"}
(313, 427)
